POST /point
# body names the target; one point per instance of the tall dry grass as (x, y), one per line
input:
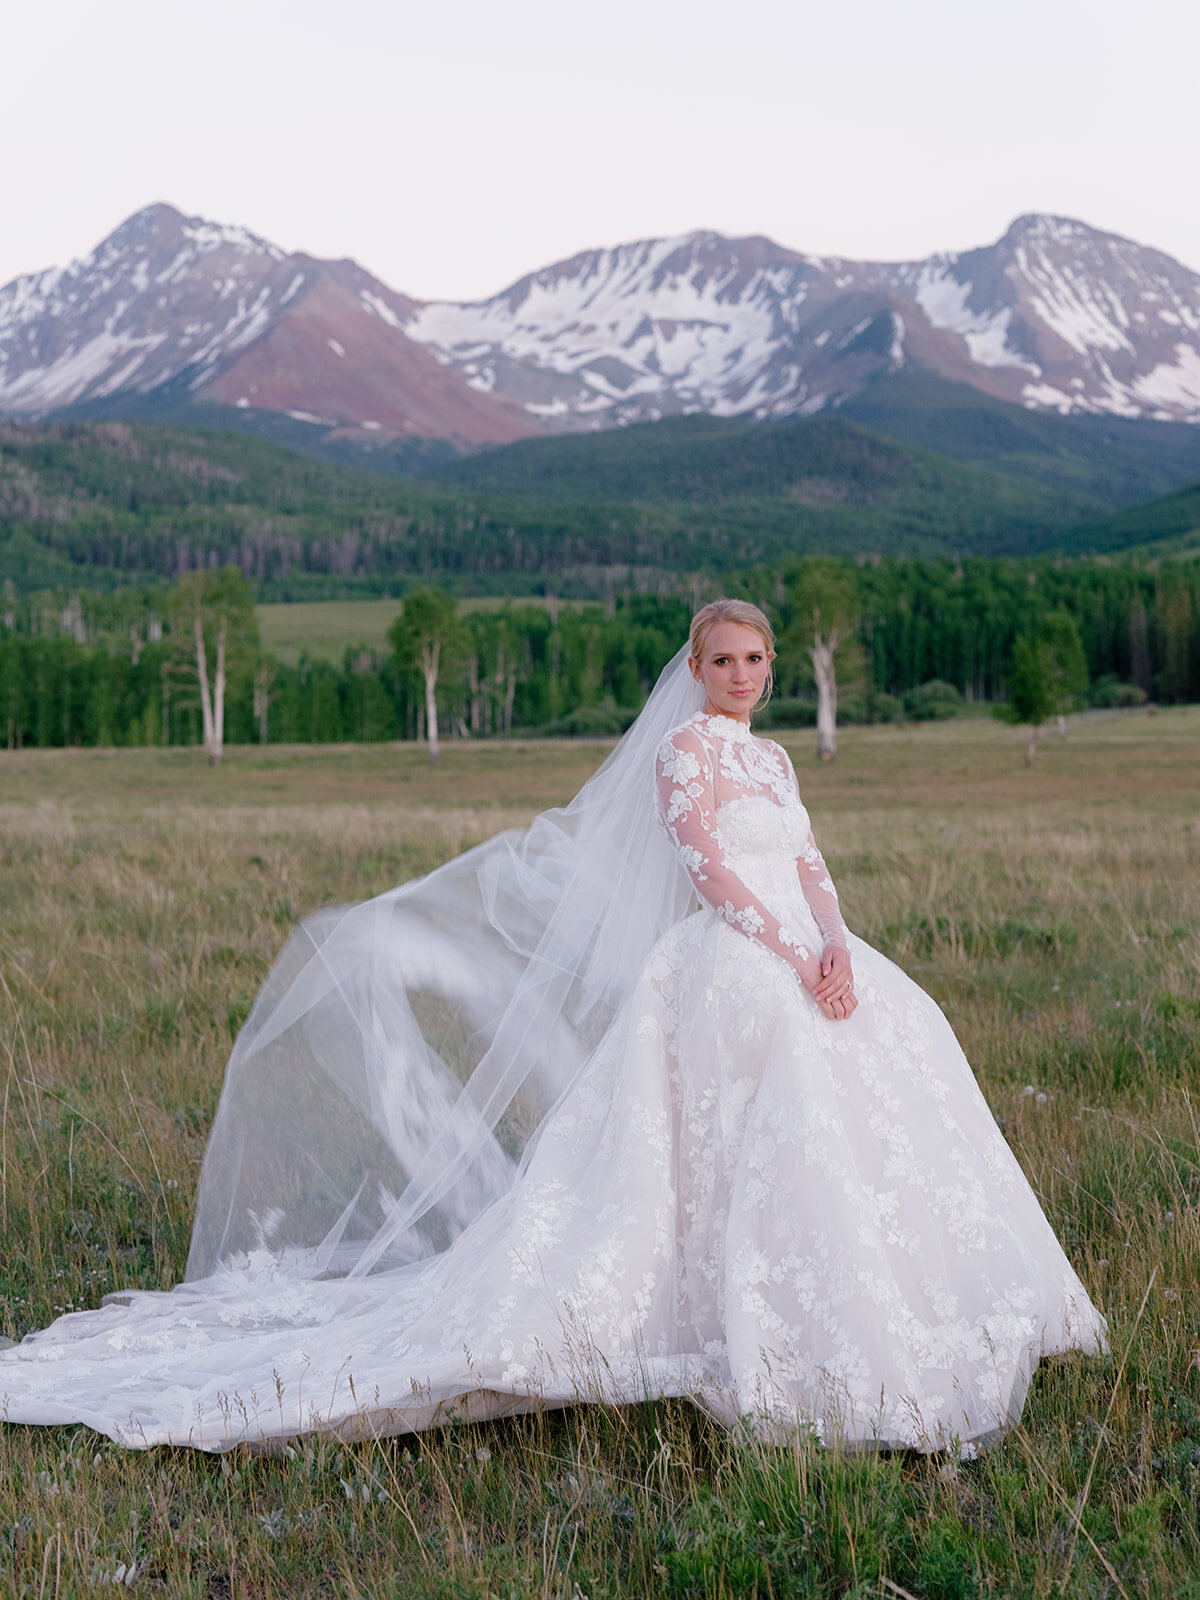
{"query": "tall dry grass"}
(1054, 915)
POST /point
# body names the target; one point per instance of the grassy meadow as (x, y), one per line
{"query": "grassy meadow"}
(322, 629)
(1054, 912)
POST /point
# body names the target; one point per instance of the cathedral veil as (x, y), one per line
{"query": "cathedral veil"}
(403, 1053)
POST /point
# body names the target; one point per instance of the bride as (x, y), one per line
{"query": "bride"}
(534, 1130)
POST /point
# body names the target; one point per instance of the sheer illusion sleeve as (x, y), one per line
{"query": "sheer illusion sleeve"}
(685, 793)
(821, 895)
(815, 880)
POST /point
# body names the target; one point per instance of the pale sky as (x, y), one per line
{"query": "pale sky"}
(452, 145)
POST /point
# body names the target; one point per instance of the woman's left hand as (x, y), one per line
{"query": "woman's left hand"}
(835, 989)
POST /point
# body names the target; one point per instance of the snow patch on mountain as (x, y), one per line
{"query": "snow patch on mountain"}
(78, 369)
(660, 320)
(1172, 384)
(944, 299)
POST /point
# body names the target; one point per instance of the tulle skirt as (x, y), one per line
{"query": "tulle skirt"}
(797, 1222)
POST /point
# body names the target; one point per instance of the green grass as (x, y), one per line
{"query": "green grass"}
(1054, 913)
(324, 629)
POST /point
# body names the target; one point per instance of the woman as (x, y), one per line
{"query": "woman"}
(526, 1132)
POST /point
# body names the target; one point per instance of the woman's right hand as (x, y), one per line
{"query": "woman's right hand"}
(834, 988)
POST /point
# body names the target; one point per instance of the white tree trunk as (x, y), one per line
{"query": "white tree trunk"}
(217, 748)
(476, 697)
(206, 706)
(1031, 748)
(262, 702)
(429, 668)
(509, 696)
(822, 653)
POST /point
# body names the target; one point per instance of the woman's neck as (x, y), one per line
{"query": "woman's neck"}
(729, 716)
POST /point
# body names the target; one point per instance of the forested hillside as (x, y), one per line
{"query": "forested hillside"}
(1169, 525)
(699, 459)
(1119, 460)
(97, 505)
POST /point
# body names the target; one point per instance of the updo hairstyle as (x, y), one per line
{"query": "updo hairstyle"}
(740, 611)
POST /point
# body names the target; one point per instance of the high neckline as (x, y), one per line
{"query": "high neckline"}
(725, 727)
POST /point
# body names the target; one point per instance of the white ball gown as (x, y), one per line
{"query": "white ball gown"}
(536, 1131)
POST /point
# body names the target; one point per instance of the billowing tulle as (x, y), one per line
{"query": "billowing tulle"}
(403, 1052)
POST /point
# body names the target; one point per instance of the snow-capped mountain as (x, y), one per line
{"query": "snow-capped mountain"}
(1056, 314)
(176, 306)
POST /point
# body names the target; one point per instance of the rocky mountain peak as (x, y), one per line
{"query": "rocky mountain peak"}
(172, 307)
(1054, 314)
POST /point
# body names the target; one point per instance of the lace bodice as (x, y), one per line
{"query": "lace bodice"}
(731, 804)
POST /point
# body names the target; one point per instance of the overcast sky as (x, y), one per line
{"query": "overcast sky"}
(451, 145)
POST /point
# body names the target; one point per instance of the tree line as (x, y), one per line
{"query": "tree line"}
(185, 665)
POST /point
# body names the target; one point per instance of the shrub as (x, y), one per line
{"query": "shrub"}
(1110, 691)
(852, 708)
(785, 712)
(591, 722)
(933, 701)
(887, 708)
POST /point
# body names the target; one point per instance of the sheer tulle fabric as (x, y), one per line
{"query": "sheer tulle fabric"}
(525, 1133)
(403, 1052)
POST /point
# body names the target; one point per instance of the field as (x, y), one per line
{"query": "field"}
(324, 629)
(1054, 912)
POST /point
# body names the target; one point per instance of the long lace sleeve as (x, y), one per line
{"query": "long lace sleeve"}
(685, 791)
(815, 880)
(821, 895)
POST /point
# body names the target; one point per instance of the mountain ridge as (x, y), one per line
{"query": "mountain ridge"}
(179, 307)
(1053, 315)
(170, 311)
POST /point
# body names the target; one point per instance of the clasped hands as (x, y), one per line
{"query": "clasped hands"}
(834, 990)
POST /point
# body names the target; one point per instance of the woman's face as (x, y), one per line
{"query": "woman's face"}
(733, 670)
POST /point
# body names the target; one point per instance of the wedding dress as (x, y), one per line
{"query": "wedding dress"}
(535, 1131)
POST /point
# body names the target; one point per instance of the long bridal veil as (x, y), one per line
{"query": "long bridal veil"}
(403, 1053)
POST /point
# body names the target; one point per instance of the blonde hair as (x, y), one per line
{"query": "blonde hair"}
(741, 612)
